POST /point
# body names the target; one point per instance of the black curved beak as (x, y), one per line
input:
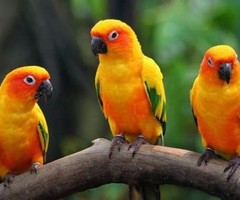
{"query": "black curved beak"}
(45, 89)
(98, 46)
(225, 72)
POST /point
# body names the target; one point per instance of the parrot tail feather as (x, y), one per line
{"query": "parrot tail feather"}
(144, 192)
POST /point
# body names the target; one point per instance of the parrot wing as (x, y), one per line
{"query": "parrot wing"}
(191, 102)
(153, 84)
(42, 131)
(195, 118)
(97, 86)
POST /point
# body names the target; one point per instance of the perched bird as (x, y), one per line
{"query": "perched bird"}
(129, 87)
(23, 128)
(215, 99)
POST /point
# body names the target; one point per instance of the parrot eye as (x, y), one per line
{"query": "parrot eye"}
(30, 80)
(210, 62)
(113, 35)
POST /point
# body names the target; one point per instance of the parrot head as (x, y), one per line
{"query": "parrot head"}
(113, 37)
(219, 63)
(27, 83)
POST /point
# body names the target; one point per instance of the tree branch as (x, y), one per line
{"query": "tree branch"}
(92, 168)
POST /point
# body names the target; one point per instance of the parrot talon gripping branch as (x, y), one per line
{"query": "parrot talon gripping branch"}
(7, 181)
(137, 144)
(130, 91)
(34, 167)
(206, 156)
(117, 141)
(232, 166)
(23, 129)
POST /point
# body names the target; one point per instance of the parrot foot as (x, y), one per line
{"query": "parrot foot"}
(34, 167)
(232, 165)
(116, 141)
(205, 157)
(8, 180)
(137, 144)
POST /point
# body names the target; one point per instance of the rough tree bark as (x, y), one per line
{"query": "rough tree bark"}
(92, 168)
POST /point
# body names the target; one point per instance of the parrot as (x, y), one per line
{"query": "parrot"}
(24, 133)
(215, 101)
(130, 91)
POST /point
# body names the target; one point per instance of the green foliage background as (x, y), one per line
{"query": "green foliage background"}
(176, 34)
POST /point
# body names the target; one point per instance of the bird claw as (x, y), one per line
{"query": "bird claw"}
(137, 144)
(232, 166)
(34, 167)
(116, 141)
(206, 156)
(8, 180)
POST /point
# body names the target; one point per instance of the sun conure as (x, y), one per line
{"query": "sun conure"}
(215, 100)
(130, 90)
(23, 128)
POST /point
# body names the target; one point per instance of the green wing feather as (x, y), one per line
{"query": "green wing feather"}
(97, 87)
(42, 131)
(98, 94)
(152, 78)
(44, 138)
(153, 96)
(191, 102)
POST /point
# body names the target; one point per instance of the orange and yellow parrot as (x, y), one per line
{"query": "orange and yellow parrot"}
(129, 87)
(23, 128)
(215, 100)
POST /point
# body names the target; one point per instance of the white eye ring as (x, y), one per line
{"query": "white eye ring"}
(30, 80)
(113, 35)
(210, 62)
